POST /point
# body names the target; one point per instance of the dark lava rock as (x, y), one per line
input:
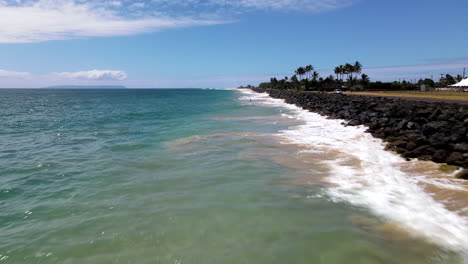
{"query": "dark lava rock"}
(440, 156)
(457, 134)
(411, 146)
(462, 147)
(424, 113)
(434, 126)
(424, 150)
(411, 125)
(435, 131)
(462, 174)
(455, 158)
(354, 123)
(400, 143)
(401, 125)
(440, 141)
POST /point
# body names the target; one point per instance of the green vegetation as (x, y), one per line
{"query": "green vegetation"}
(349, 77)
(307, 79)
(445, 81)
(248, 86)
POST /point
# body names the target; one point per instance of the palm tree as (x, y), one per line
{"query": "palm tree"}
(315, 75)
(337, 71)
(342, 72)
(450, 80)
(348, 70)
(357, 68)
(365, 79)
(308, 69)
(300, 72)
(294, 79)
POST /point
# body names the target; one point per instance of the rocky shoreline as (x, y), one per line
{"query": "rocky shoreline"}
(434, 131)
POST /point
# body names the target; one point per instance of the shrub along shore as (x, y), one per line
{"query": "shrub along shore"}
(434, 131)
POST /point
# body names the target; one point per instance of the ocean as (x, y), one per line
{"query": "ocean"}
(211, 176)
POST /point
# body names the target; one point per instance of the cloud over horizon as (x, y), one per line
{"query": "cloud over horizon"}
(31, 21)
(44, 20)
(14, 74)
(95, 75)
(118, 77)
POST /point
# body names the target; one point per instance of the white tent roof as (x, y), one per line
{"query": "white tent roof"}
(463, 83)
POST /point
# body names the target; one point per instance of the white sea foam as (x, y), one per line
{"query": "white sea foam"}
(373, 179)
(220, 89)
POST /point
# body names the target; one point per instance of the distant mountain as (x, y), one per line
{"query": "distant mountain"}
(85, 87)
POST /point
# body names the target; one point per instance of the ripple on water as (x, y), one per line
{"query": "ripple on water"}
(237, 193)
(363, 174)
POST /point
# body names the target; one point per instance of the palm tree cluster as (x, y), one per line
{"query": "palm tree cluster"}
(350, 76)
(351, 71)
(449, 80)
(308, 71)
(306, 78)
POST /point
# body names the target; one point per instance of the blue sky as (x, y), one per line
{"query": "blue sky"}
(224, 43)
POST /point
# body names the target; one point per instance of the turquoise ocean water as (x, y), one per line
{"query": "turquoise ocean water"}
(180, 176)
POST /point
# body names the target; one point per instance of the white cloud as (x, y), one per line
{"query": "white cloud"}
(115, 3)
(137, 5)
(13, 74)
(305, 5)
(245, 5)
(45, 20)
(96, 75)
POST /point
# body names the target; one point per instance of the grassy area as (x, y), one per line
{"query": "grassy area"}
(444, 95)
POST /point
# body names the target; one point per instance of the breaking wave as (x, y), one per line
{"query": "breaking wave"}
(364, 174)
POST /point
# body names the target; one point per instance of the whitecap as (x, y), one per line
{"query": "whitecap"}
(374, 179)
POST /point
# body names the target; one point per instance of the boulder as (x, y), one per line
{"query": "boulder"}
(440, 156)
(434, 126)
(455, 158)
(411, 125)
(424, 150)
(401, 124)
(462, 147)
(353, 123)
(440, 141)
(423, 113)
(411, 146)
(462, 174)
(426, 130)
(400, 143)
